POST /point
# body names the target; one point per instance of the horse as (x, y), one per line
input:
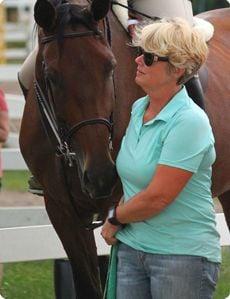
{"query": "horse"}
(215, 81)
(66, 128)
(76, 76)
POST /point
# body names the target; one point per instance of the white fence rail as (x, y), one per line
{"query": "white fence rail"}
(20, 30)
(27, 235)
(12, 159)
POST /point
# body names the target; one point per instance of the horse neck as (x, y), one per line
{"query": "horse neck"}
(126, 90)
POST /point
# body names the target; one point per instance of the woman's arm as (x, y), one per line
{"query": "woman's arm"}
(165, 186)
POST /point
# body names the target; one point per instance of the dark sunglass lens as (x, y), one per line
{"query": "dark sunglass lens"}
(148, 58)
(139, 51)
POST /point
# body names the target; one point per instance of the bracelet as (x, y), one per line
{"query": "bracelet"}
(112, 217)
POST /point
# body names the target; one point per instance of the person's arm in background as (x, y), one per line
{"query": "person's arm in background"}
(133, 19)
(4, 126)
(4, 119)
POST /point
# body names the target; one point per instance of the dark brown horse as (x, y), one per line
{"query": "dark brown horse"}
(66, 127)
(215, 78)
(74, 71)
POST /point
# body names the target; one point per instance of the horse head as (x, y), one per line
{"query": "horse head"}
(74, 79)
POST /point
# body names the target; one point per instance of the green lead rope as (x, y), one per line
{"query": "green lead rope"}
(111, 280)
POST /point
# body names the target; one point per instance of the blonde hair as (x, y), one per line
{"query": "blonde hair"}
(176, 39)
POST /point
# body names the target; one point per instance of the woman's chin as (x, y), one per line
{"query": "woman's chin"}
(138, 80)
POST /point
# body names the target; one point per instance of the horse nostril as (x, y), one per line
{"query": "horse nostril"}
(99, 185)
(93, 181)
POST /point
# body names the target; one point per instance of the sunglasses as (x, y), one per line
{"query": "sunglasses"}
(150, 58)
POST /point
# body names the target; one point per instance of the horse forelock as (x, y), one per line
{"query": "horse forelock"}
(72, 14)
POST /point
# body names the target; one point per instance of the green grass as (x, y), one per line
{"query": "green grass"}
(34, 280)
(223, 286)
(16, 44)
(28, 280)
(15, 180)
(15, 61)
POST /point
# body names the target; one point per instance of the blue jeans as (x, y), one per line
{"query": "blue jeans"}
(143, 275)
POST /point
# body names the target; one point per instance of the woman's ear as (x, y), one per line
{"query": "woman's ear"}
(178, 74)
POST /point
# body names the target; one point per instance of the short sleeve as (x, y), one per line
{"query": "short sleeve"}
(187, 142)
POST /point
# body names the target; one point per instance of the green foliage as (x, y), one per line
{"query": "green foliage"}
(204, 5)
(32, 280)
(15, 180)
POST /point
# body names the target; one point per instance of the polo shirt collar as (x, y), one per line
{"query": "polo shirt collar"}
(179, 100)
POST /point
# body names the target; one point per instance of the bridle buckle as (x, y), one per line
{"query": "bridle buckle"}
(63, 150)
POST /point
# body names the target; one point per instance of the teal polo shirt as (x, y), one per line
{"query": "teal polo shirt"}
(179, 136)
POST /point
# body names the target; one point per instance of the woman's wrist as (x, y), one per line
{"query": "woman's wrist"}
(112, 217)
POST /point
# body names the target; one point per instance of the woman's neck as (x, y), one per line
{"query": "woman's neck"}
(160, 98)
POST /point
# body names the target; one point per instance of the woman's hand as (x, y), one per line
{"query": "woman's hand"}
(108, 232)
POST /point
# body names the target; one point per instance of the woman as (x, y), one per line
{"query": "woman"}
(168, 244)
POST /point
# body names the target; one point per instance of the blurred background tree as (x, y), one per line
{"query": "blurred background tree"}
(204, 5)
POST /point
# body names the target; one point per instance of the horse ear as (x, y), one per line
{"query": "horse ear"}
(45, 14)
(100, 8)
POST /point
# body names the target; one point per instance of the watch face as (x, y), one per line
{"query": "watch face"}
(112, 217)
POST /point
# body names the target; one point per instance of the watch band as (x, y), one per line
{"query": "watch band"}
(112, 217)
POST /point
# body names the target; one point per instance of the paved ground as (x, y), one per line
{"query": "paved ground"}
(14, 198)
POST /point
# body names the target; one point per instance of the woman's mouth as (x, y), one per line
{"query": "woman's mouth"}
(139, 72)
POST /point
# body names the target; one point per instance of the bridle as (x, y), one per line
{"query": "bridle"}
(62, 134)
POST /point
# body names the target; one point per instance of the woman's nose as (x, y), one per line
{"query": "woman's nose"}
(139, 59)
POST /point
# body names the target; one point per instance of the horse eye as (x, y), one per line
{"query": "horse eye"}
(108, 67)
(52, 77)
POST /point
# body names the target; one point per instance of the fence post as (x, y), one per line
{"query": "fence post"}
(63, 277)
(63, 280)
